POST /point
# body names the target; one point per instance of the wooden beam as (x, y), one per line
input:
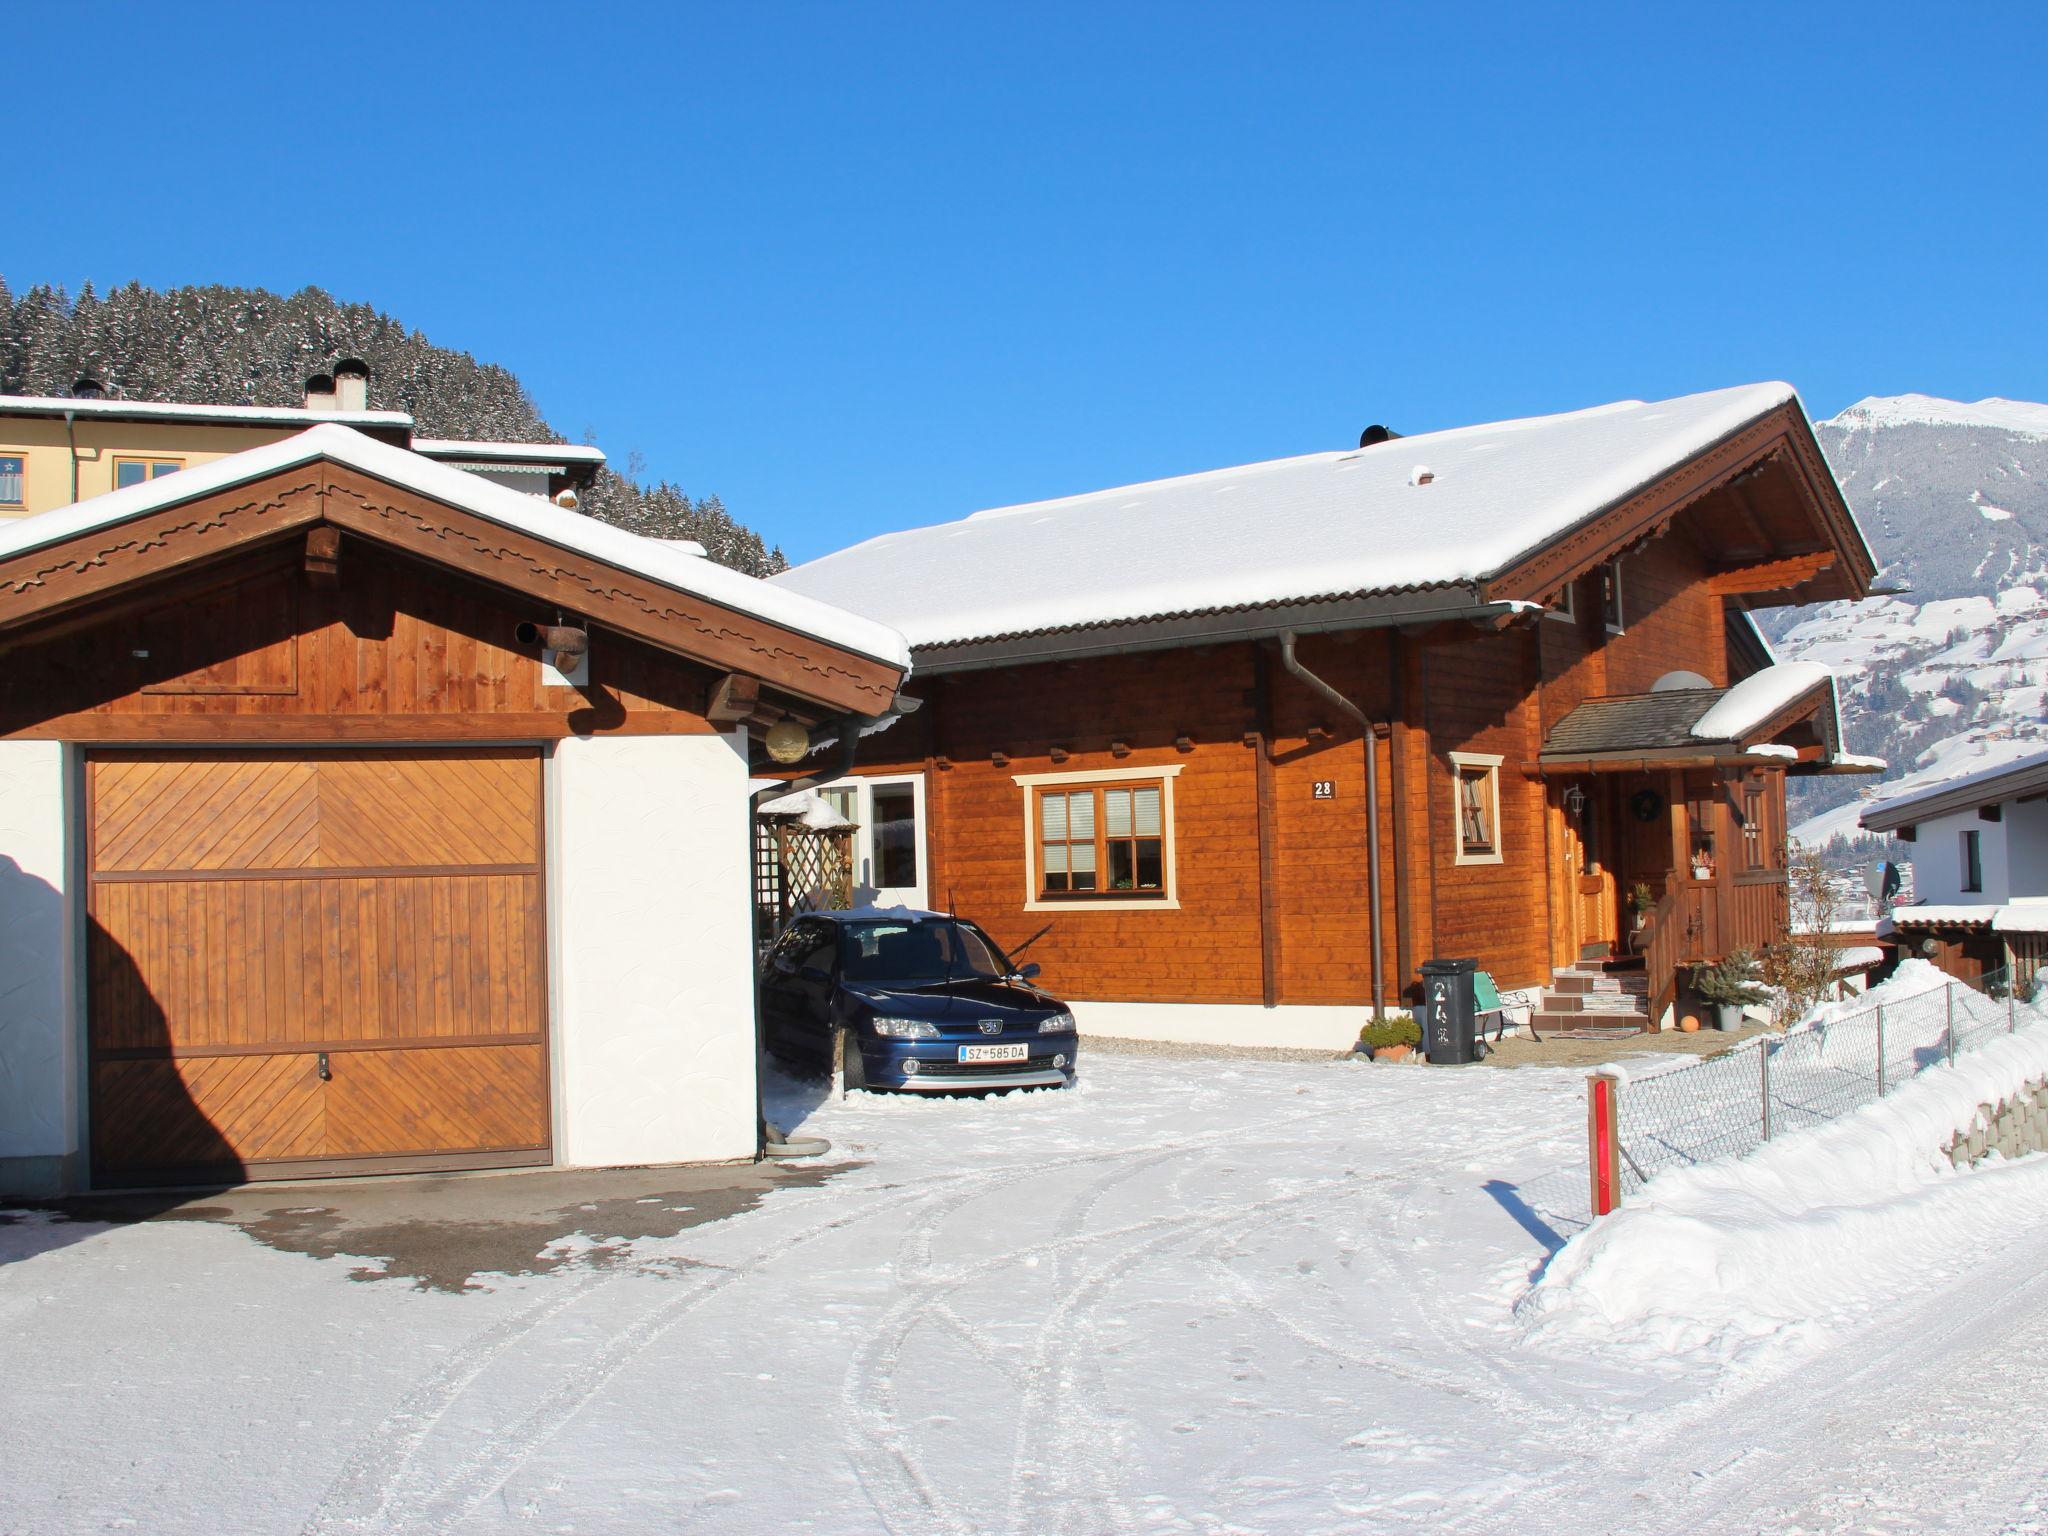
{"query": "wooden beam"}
(1770, 575)
(1260, 741)
(734, 697)
(224, 730)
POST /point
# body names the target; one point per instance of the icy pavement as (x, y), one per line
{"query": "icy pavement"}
(1189, 1297)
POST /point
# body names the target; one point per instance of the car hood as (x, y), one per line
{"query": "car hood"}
(955, 1001)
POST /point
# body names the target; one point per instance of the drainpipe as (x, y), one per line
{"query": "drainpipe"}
(1372, 800)
(71, 434)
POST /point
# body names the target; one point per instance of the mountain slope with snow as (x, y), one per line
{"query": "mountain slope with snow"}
(1951, 673)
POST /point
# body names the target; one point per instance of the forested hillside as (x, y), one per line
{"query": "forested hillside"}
(247, 346)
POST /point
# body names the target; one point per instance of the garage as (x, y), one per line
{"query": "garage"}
(358, 815)
(315, 962)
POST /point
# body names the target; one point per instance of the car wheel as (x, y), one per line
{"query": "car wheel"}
(856, 1067)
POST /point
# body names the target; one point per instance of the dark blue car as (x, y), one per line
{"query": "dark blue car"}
(928, 1003)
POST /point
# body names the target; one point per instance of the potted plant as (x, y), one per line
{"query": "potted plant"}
(1393, 1038)
(1729, 987)
(1643, 899)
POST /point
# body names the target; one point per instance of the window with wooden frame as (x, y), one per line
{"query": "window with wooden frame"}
(13, 482)
(1104, 839)
(1477, 776)
(129, 472)
(1566, 607)
(1750, 809)
(1101, 838)
(1610, 596)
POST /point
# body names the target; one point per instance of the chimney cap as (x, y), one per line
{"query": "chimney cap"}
(86, 387)
(1376, 434)
(351, 368)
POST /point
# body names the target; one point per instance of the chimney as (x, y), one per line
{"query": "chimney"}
(351, 385)
(1376, 434)
(320, 392)
(87, 388)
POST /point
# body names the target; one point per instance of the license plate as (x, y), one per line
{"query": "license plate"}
(1018, 1052)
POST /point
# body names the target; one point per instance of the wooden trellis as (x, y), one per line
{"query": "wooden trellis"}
(799, 869)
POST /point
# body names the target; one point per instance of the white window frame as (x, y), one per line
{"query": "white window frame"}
(865, 858)
(1566, 609)
(1614, 616)
(1490, 761)
(1031, 783)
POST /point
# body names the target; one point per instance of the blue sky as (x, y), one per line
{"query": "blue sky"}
(863, 267)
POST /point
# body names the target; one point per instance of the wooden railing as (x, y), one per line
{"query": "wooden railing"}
(1698, 924)
(1664, 931)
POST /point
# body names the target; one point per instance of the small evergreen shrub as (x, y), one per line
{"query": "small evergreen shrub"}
(1395, 1029)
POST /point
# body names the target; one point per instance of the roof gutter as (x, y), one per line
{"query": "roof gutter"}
(1372, 806)
(71, 434)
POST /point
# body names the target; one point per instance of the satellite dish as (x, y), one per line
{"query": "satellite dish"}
(1673, 682)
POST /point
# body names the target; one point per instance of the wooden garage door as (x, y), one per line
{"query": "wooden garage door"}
(306, 962)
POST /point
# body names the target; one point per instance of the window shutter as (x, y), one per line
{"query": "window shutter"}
(1081, 816)
(1116, 812)
(1052, 816)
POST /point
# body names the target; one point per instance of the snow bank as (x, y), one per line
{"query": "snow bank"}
(1752, 1261)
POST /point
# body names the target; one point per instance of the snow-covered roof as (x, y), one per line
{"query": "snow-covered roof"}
(1859, 957)
(673, 568)
(1753, 701)
(2021, 416)
(1319, 526)
(166, 410)
(807, 808)
(508, 453)
(1959, 792)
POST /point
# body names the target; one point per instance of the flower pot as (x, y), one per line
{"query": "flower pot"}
(1727, 1016)
(1392, 1052)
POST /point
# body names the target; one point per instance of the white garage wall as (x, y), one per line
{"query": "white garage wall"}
(38, 1044)
(652, 957)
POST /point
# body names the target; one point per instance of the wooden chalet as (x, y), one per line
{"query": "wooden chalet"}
(1243, 749)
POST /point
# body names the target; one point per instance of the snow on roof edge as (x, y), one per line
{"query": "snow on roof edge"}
(187, 410)
(673, 568)
(456, 447)
(1751, 702)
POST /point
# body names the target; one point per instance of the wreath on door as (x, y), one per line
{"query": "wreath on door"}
(1645, 804)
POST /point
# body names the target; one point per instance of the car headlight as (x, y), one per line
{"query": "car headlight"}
(906, 1029)
(1058, 1024)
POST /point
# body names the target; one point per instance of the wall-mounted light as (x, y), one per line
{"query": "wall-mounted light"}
(563, 646)
(1575, 802)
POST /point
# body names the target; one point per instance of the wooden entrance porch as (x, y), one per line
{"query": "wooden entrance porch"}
(1665, 867)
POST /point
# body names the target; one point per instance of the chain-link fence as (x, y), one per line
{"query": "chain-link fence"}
(1726, 1105)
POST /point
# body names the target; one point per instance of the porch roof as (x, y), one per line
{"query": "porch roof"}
(1701, 725)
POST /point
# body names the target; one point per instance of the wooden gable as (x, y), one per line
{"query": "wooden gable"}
(322, 592)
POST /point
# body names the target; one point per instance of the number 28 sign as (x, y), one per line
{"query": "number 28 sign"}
(1325, 789)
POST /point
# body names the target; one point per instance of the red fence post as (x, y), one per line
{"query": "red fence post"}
(1603, 1141)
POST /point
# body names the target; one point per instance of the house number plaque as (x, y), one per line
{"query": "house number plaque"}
(1325, 789)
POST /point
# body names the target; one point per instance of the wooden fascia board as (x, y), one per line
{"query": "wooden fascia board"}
(40, 583)
(619, 599)
(1649, 511)
(1804, 707)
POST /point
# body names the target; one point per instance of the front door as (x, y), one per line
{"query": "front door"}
(1589, 866)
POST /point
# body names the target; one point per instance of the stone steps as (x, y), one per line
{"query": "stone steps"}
(1595, 994)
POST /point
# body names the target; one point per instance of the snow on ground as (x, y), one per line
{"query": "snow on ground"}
(1191, 1296)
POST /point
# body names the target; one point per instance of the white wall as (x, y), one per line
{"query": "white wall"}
(1297, 1026)
(1938, 860)
(652, 950)
(39, 1117)
(2026, 849)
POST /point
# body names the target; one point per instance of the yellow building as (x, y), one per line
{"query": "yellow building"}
(55, 450)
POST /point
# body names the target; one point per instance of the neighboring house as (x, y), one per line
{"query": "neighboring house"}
(57, 450)
(1980, 869)
(318, 855)
(1140, 729)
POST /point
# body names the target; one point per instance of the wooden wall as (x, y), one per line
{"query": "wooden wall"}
(253, 651)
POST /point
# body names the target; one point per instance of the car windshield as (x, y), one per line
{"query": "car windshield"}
(917, 952)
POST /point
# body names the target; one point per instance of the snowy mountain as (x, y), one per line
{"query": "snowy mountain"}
(1952, 673)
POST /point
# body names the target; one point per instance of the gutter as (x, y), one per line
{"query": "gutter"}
(1372, 805)
(71, 433)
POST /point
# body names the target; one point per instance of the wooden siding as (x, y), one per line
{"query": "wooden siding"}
(253, 651)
